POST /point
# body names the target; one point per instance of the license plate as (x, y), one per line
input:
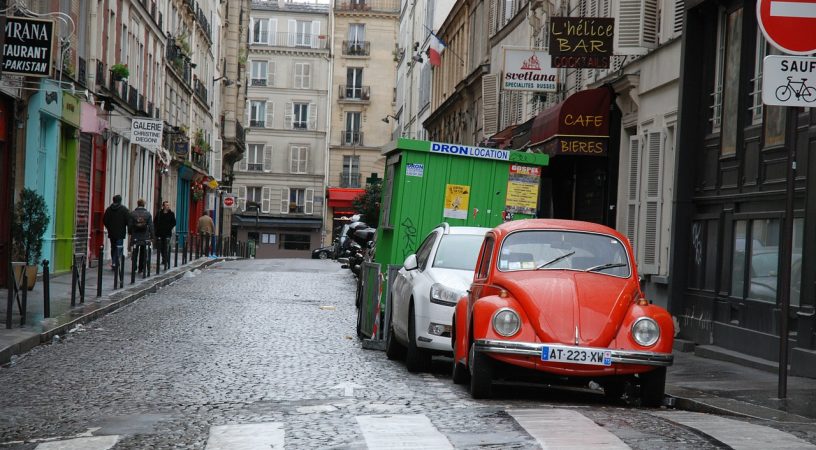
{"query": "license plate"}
(576, 355)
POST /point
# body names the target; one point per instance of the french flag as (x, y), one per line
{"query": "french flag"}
(435, 50)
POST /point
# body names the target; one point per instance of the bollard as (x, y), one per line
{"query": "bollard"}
(121, 269)
(46, 289)
(148, 255)
(73, 281)
(24, 306)
(133, 265)
(10, 303)
(175, 263)
(99, 271)
(184, 252)
(159, 255)
(82, 286)
(198, 246)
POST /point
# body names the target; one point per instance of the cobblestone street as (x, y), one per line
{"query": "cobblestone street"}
(271, 343)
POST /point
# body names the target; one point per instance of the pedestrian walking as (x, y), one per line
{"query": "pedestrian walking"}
(116, 220)
(141, 232)
(165, 222)
(206, 227)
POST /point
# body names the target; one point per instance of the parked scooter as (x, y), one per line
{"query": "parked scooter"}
(360, 243)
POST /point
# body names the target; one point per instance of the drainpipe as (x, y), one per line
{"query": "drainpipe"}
(327, 222)
(95, 45)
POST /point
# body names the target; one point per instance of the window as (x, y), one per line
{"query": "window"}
(350, 177)
(257, 113)
(254, 157)
(484, 267)
(304, 34)
(267, 238)
(356, 32)
(299, 159)
(300, 116)
(254, 194)
(295, 242)
(756, 94)
(352, 135)
(297, 200)
(354, 82)
(424, 251)
(303, 75)
(730, 98)
(716, 107)
(260, 31)
(259, 73)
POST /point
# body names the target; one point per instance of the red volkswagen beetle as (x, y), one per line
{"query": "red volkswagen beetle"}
(561, 301)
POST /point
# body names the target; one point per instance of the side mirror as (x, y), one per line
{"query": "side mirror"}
(410, 262)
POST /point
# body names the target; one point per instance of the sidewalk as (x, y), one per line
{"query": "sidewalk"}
(709, 385)
(37, 329)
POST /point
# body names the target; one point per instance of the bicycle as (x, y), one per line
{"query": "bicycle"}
(804, 92)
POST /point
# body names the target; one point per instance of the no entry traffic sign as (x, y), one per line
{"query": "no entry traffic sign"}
(789, 24)
(229, 201)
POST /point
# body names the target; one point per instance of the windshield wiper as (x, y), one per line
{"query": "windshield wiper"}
(553, 261)
(605, 266)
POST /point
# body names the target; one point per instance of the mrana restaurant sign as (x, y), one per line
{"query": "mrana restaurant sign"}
(28, 46)
(528, 70)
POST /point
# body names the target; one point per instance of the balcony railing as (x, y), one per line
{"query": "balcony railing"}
(257, 82)
(285, 39)
(349, 179)
(367, 5)
(240, 134)
(179, 61)
(349, 138)
(354, 93)
(133, 97)
(201, 160)
(101, 70)
(356, 48)
(257, 123)
(200, 90)
(201, 19)
(82, 71)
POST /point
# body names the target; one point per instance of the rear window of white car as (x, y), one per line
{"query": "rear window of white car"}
(458, 251)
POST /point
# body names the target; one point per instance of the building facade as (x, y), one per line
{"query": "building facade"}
(363, 99)
(280, 181)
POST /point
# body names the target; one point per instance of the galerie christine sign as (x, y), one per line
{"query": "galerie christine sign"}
(474, 152)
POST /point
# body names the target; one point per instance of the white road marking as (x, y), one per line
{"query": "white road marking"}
(248, 436)
(564, 428)
(801, 10)
(403, 431)
(83, 443)
(736, 434)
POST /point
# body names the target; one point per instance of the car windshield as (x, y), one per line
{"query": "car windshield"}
(458, 251)
(548, 250)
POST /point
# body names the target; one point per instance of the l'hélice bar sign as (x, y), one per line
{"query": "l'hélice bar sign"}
(28, 46)
(581, 42)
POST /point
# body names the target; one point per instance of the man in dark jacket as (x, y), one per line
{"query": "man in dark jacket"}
(165, 222)
(116, 221)
(140, 228)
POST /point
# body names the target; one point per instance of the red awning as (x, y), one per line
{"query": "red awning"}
(584, 114)
(342, 197)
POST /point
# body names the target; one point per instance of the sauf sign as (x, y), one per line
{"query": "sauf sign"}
(28, 46)
(528, 70)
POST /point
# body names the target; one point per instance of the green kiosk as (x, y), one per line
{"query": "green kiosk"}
(427, 183)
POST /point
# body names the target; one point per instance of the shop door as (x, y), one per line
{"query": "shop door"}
(66, 201)
(575, 188)
(5, 205)
(182, 209)
(83, 194)
(100, 158)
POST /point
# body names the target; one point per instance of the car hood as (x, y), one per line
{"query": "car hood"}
(452, 278)
(574, 308)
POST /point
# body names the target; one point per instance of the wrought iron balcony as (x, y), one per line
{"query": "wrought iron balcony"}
(82, 71)
(349, 179)
(200, 90)
(201, 160)
(285, 39)
(367, 5)
(133, 97)
(101, 70)
(257, 123)
(351, 138)
(240, 134)
(356, 48)
(354, 93)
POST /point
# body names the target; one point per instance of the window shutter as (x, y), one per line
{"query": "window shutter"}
(633, 194)
(490, 100)
(267, 158)
(651, 231)
(309, 209)
(306, 76)
(304, 167)
(216, 159)
(292, 32)
(270, 73)
(242, 166)
(293, 157)
(315, 34)
(284, 201)
(679, 9)
(270, 114)
(636, 27)
(491, 17)
(273, 32)
(265, 199)
(288, 115)
(248, 114)
(242, 198)
(251, 29)
(312, 116)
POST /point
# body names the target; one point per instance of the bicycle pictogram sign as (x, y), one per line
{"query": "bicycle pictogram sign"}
(798, 88)
(789, 80)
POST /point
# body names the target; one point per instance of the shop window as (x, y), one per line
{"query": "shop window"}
(757, 276)
(269, 238)
(295, 241)
(703, 255)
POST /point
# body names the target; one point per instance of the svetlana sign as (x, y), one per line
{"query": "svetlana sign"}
(528, 70)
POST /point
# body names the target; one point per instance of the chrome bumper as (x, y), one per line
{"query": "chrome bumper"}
(534, 349)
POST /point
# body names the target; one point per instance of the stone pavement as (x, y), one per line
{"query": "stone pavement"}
(38, 329)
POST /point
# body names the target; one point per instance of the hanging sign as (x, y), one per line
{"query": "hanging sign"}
(28, 46)
(457, 197)
(528, 70)
(581, 42)
(522, 189)
(146, 133)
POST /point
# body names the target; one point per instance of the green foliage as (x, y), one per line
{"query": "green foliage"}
(367, 204)
(29, 225)
(120, 71)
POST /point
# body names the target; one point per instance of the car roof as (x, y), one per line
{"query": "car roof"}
(554, 224)
(479, 231)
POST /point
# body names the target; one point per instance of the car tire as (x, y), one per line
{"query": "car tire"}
(323, 255)
(653, 387)
(614, 390)
(416, 359)
(481, 374)
(393, 349)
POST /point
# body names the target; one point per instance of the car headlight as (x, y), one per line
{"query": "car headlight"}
(443, 295)
(645, 331)
(506, 322)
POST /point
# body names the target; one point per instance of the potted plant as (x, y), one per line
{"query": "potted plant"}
(28, 228)
(119, 71)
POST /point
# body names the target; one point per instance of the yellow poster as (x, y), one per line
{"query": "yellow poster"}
(457, 197)
(522, 189)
